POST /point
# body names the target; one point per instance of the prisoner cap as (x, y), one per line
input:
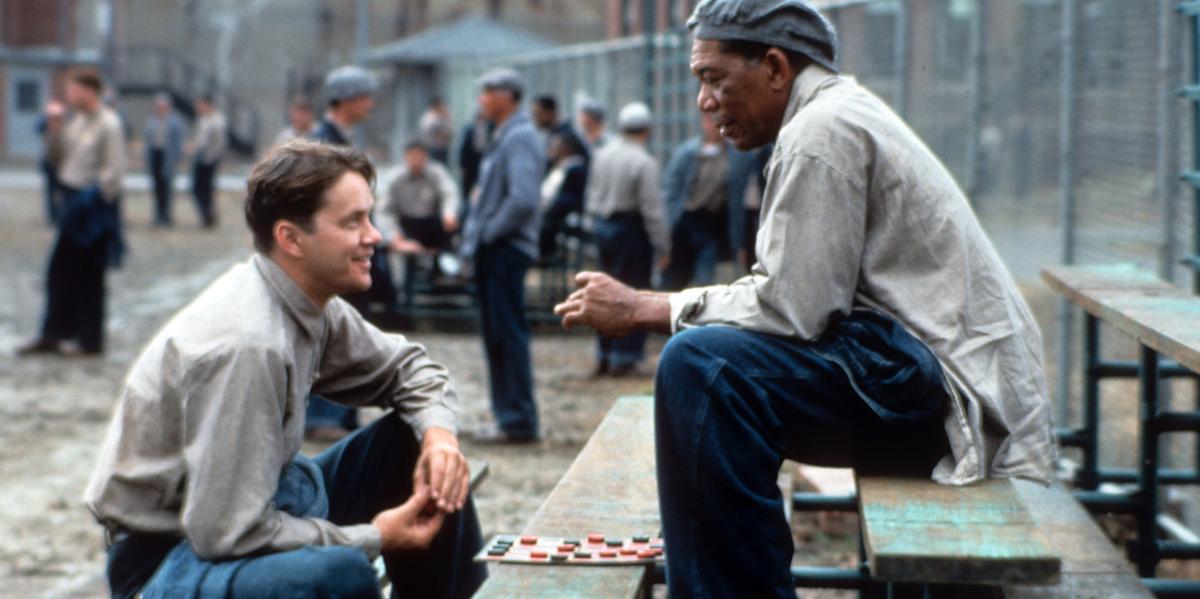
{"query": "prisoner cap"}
(503, 78)
(344, 83)
(793, 25)
(634, 116)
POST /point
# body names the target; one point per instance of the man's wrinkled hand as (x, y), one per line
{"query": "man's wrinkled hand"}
(443, 470)
(601, 303)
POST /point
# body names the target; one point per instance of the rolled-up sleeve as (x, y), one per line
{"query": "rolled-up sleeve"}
(809, 248)
(363, 365)
(232, 447)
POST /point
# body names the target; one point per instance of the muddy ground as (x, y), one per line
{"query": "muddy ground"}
(54, 411)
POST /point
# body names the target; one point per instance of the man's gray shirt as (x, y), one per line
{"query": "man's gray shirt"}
(504, 205)
(625, 178)
(213, 410)
(857, 211)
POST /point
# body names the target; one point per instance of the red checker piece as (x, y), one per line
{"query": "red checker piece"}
(647, 553)
(608, 553)
(528, 540)
(628, 551)
(538, 554)
(595, 538)
(566, 548)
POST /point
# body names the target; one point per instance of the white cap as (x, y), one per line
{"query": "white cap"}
(634, 116)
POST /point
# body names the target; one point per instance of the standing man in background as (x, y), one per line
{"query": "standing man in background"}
(164, 137)
(591, 121)
(500, 238)
(91, 150)
(300, 121)
(207, 148)
(437, 130)
(705, 184)
(625, 204)
(350, 93)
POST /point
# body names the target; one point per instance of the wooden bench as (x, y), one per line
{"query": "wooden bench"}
(915, 530)
(1164, 321)
(610, 488)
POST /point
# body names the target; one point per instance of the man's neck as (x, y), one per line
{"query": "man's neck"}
(504, 117)
(298, 276)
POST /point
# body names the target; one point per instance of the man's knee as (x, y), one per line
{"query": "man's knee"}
(341, 572)
(692, 356)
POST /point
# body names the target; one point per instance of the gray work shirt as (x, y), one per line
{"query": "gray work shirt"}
(858, 211)
(213, 411)
(625, 179)
(91, 147)
(210, 137)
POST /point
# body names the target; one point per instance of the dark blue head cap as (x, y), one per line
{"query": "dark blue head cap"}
(788, 24)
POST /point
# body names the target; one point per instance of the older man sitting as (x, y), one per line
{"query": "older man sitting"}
(878, 327)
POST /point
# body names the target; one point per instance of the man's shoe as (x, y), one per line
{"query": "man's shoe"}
(490, 434)
(600, 370)
(39, 346)
(71, 349)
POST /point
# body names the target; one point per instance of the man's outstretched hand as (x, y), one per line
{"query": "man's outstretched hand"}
(612, 308)
(412, 525)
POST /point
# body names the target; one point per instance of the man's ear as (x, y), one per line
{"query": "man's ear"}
(287, 238)
(779, 70)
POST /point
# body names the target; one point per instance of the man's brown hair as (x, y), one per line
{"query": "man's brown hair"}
(87, 77)
(290, 184)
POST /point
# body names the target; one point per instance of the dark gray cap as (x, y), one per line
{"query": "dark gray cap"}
(344, 83)
(788, 24)
(503, 78)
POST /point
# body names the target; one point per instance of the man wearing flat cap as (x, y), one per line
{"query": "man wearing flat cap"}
(500, 239)
(877, 328)
(350, 93)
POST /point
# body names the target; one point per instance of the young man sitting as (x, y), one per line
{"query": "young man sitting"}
(201, 485)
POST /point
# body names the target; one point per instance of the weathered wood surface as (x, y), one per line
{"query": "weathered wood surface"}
(916, 530)
(1157, 314)
(1091, 566)
(610, 488)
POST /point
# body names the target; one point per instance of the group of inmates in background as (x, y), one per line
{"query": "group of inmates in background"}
(508, 191)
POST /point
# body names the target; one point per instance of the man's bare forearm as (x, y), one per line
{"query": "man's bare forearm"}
(653, 312)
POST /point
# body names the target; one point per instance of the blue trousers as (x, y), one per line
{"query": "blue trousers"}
(627, 256)
(75, 293)
(321, 412)
(204, 177)
(500, 282)
(731, 404)
(694, 244)
(348, 483)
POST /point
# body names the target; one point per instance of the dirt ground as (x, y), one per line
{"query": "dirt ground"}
(54, 411)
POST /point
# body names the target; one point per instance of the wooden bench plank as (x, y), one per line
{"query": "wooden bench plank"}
(916, 530)
(1091, 565)
(610, 488)
(1156, 313)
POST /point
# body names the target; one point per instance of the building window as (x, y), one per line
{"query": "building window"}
(28, 96)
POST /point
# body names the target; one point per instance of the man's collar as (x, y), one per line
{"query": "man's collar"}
(298, 304)
(805, 87)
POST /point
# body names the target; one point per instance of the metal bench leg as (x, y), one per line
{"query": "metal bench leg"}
(1088, 477)
(1145, 550)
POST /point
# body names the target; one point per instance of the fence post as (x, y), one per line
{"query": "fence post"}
(900, 59)
(1168, 133)
(1069, 90)
(975, 84)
